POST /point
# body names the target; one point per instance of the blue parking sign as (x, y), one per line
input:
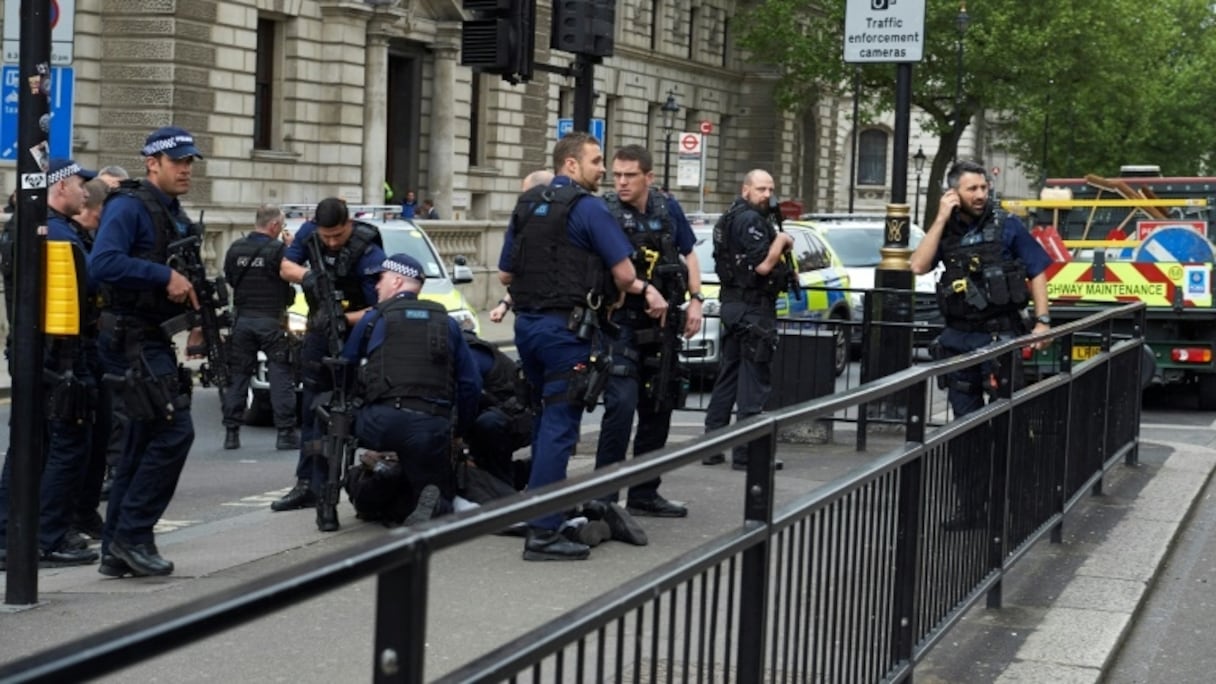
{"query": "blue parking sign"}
(63, 82)
(564, 126)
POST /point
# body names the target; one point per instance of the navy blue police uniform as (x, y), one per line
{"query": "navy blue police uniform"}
(129, 262)
(742, 238)
(567, 244)
(69, 430)
(662, 229)
(419, 387)
(354, 268)
(994, 256)
(504, 412)
(260, 299)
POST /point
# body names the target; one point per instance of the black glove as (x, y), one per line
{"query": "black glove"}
(309, 285)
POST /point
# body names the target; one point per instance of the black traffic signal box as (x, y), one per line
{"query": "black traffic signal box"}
(500, 38)
(584, 27)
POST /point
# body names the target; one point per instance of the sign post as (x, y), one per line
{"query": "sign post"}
(707, 127)
(688, 171)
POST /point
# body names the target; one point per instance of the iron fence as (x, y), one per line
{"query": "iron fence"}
(853, 581)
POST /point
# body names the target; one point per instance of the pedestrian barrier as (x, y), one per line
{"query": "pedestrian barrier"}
(854, 581)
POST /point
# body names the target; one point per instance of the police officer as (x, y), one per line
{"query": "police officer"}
(748, 258)
(68, 437)
(419, 386)
(260, 299)
(660, 235)
(563, 260)
(993, 267)
(352, 257)
(139, 292)
(504, 412)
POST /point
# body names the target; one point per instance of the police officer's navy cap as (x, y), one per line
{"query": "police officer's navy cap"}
(61, 169)
(402, 264)
(174, 142)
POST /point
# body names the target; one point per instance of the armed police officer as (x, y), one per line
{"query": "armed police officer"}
(563, 260)
(260, 299)
(645, 375)
(993, 268)
(72, 362)
(420, 388)
(140, 292)
(749, 260)
(344, 261)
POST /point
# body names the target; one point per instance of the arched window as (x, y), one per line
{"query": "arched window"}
(872, 158)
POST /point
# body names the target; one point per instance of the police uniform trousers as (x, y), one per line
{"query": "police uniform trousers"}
(67, 447)
(317, 378)
(549, 351)
(154, 452)
(621, 401)
(744, 376)
(423, 443)
(89, 497)
(252, 333)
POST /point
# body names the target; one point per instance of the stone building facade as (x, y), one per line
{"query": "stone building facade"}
(296, 100)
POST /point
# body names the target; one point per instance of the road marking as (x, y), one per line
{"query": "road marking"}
(165, 526)
(259, 500)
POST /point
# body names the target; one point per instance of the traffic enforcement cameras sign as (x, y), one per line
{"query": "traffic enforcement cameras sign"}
(884, 31)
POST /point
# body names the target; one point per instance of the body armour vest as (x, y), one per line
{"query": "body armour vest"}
(979, 284)
(152, 304)
(343, 268)
(500, 384)
(653, 236)
(257, 289)
(547, 271)
(731, 263)
(415, 359)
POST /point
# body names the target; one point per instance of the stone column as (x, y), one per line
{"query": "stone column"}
(441, 166)
(375, 114)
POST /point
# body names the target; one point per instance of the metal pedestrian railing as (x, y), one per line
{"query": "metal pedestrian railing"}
(854, 581)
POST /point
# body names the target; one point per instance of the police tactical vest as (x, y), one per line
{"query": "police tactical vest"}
(735, 272)
(547, 271)
(257, 289)
(343, 268)
(500, 384)
(979, 284)
(166, 228)
(415, 360)
(651, 233)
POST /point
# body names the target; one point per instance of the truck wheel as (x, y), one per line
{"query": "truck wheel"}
(1207, 392)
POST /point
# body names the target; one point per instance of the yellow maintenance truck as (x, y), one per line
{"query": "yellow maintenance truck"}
(1142, 238)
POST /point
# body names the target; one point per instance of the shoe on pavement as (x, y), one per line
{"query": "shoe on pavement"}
(63, 556)
(287, 440)
(232, 440)
(542, 545)
(112, 566)
(142, 559)
(737, 465)
(327, 518)
(656, 507)
(623, 527)
(300, 496)
(428, 499)
(714, 459)
(89, 525)
(589, 532)
(74, 540)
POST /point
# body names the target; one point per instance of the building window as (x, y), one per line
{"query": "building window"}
(265, 94)
(872, 158)
(692, 31)
(656, 8)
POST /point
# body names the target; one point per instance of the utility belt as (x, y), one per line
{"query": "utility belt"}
(430, 408)
(120, 325)
(146, 395)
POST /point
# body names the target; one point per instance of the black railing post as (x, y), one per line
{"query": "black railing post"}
(906, 601)
(401, 594)
(753, 585)
(998, 488)
(1133, 454)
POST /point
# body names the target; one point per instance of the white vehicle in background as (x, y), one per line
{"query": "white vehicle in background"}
(399, 235)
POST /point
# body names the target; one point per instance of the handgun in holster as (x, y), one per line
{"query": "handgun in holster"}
(68, 400)
(971, 294)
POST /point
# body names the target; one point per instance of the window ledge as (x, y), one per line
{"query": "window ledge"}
(286, 156)
(486, 171)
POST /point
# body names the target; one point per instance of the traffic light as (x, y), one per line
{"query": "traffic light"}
(584, 27)
(500, 38)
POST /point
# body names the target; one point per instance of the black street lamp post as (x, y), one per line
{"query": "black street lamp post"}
(918, 162)
(962, 21)
(669, 110)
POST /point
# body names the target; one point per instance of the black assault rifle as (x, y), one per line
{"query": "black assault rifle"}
(185, 257)
(667, 385)
(791, 276)
(337, 415)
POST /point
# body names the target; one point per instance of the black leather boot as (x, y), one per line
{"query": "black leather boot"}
(287, 440)
(143, 559)
(327, 518)
(553, 545)
(300, 496)
(232, 440)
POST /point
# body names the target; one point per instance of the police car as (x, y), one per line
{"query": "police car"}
(820, 273)
(399, 235)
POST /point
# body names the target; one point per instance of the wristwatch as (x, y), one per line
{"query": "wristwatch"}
(700, 297)
(1045, 319)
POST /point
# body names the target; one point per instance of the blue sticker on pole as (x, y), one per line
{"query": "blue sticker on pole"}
(63, 86)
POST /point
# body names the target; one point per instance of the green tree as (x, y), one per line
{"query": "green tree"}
(1079, 87)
